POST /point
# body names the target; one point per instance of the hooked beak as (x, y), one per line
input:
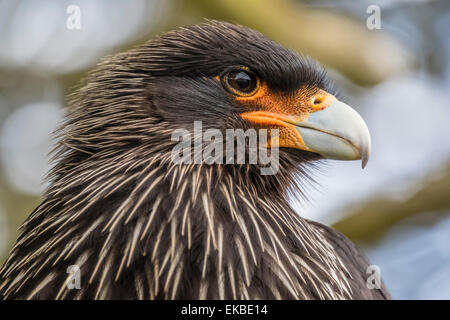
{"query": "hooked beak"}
(335, 131)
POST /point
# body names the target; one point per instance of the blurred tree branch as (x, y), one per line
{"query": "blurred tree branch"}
(372, 218)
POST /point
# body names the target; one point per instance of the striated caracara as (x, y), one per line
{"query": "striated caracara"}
(139, 225)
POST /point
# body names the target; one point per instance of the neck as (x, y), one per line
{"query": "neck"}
(228, 233)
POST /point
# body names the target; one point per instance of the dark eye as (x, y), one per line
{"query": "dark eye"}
(241, 82)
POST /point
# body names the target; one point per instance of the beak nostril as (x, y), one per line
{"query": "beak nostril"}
(317, 100)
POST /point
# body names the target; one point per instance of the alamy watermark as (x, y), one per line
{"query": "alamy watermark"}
(74, 277)
(73, 21)
(236, 146)
(374, 279)
(374, 19)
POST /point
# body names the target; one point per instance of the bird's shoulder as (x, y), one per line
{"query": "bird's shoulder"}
(356, 263)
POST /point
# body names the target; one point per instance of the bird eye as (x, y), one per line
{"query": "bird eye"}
(241, 82)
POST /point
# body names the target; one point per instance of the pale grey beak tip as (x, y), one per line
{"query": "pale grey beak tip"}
(365, 149)
(364, 162)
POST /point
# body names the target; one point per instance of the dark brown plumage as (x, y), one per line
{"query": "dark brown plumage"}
(140, 226)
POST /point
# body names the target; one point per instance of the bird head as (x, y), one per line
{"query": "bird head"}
(231, 76)
(225, 75)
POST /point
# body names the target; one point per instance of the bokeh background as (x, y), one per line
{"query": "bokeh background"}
(398, 78)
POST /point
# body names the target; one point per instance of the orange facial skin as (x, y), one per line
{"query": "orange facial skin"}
(274, 110)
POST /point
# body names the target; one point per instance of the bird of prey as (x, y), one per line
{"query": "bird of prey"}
(134, 224)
